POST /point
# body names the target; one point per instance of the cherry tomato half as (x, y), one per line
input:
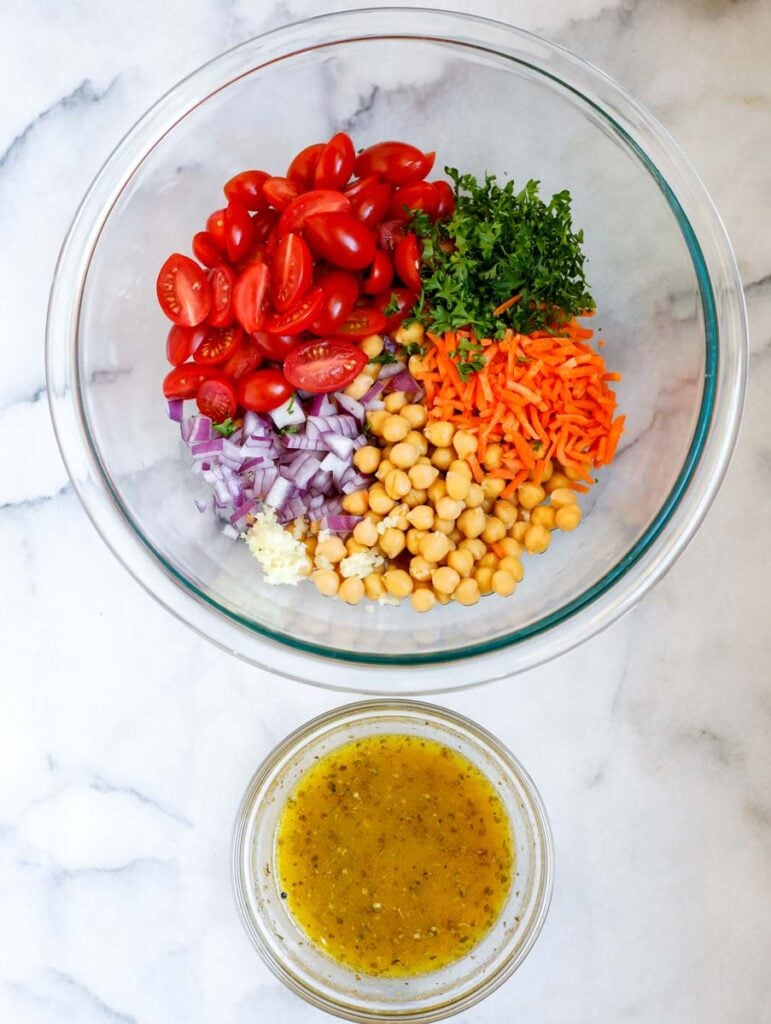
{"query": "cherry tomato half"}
(181, 342)
(215, 225)
(396, 304)
(274, 346)
(407, 261)
(206, 250)
(363, 321)
(303, 166)
(389, 232)
(246, 358)
(419, 195)
(292, 271)
(183, 291)
(246, 187)
(397, 162)
(335, 162)
(264, 390)
(279, 192)
(298, 317)
(381, 274)
(340, 239)
(218, 345)
(341, 290)
(308, 205)
(184, 381)
(222, 280)
(216, 398)
(369, 199)
(322, 365)
(250, 295)
(239, 230)
(446, 207)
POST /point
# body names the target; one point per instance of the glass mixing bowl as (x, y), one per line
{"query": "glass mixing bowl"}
(487, 97)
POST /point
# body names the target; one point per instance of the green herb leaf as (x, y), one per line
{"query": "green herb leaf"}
(414, 348)
(384, 358)
(226, 428)
(393, 305)
(291, 429)
(290, 407)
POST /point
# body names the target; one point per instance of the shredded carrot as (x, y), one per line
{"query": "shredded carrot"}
(507, 305)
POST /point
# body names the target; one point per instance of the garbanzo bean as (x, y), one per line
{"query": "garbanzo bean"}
(457, 484)
(462, 467)
(448, 508)
(404, 455)
(548, 472)
(397, 484)
(484, 578)
(537, 539)
(511, 547)
(327, 581)
(414, 414)
(517, 532)
(359, 386)
(475, 496)
(530, 495)
(504, 583)
(493, 456)
(467, 592)
(392, 542)
(492, 487)
(494, 530)
(379, 501)
(562, 496)
(558, 480)
(414, 537)
(444, 580)
(445, 526)
(415, 365)
(513, 565)
(365, 533)
(506, 512)
(434, 546)
(395, 401)
(568, 517)
(351, 590)
(474, 546)
(416, 439)
(398, 582)
(367, 459)
(374, 586)
(410, 335)
(385, 468)
(352, 546)
(423, 600)
(376, 419)
(420, 569)
(442, 458)
(332, 549)
(395, 428)
(356, 504)
(472, 522)
(489, 560)
(437, 490)
(372, 345)
(455, 536)
(422, 476)
(440, 433)
(422, 516)
(414, 498)
(465, 444)
(462, 561)
(443, 598)
(544, 515)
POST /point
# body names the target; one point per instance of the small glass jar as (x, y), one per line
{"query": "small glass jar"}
(312, 974)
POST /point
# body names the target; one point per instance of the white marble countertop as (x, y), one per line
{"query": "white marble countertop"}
(126, 740)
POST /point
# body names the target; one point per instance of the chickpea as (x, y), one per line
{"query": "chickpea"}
(423, 600)
(395, 401)
(379, 501)
(447, 508)
(398, 582)
(414, 498)
(385, 451)
(404, 455)
(359, 386)
(443, 598)
(537, 539)
(372, 345)
(374, 586)
(571, 474)
(385, 468)
(422, 476)
(455, 536)
(475, 496)
(523, 515)
(461, 561)
(445, 580)
(530, 495)
(518, 532)
(352, 590)
(434, 546)
(494, 530)
(568, 517)
(416, 439)
(376, 419)
(467, 592)
(327, 581)
(544, 515)
(415, 365)
(332, 549)
(474, 546)
(437, 490)
(310, 545)
(420, 569)
(489, 560)
(365, 533)
(465, 444)
(445, 526)
(462, 467)
(511, 547)
(412, 335)
(414, 537)
(392, 542)
(493, 457)
(422, 517)
(513, 566)
(353, 547)
(557, 481)
(457, 485)
(442, 458)
(548, 472)
(357, 503)
(395, 428)
(397, 484)
(506, 512)
(399, 517)
(367, 459)
(487, 506)
(504, 583)
(484, 579)
(562, 496)
(415, 415)
(492, 487)
(440, 433)
(472, 522)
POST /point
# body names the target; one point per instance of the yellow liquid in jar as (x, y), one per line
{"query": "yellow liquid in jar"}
(395, 855)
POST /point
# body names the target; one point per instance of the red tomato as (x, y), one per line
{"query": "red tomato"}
(222, 280)
(407, 261)
(245, 359)
(215, 225)
(264, 390)
(389, 232)
(264, 224)
(274, 346)
(326, 364)
(403, 299)
(420, 195)
(303, 166)
(184, 381)
(308, 205)
(446, 196)
(341, 290)
(239, 230)
(183, 291)
(249, 296)
(181, 342)
(380, 276)
(397, 162)
(292, 271)
(340, 239)
(216, 398)
(219, 344)
(363, 321)
(279, 192)
(297, 318)
(335, 162)
(246, 187)
(369, 199)
(206, 250)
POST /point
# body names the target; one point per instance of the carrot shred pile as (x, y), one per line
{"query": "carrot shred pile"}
(540, 396)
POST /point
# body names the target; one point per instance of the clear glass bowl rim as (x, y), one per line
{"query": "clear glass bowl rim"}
(681, 512)
(372, 710)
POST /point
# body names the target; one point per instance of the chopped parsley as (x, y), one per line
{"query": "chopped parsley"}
(393, 305)
(384, 358)
(414, 348)
(291, 429)
(226, 428)
(290, 407)
(469, 357)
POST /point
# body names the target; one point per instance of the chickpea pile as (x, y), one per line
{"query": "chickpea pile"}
(436, 535)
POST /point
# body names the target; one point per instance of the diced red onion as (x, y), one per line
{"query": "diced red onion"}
(288, 414)
(322, 405)
(302, 442)
(251, 463)
(373, 394)
(204, 448)
(391, 370)
(200, 505)
(340, 524)
(230, 532)
(242, 511)
(356, 409)
(175, 409)
(279, 492)
(341, 446)
(405, 382)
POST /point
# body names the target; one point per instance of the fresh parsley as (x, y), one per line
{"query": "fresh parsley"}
(291, 429)
(393, 305)
(469, 357)
(226, 428)
(414, 348)
(384, 358)
(290, 407)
